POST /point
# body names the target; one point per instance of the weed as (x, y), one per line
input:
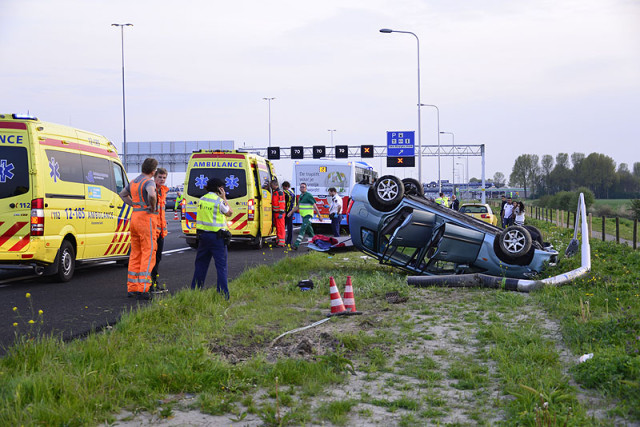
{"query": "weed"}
(336, 412)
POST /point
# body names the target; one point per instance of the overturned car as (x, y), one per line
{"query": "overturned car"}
(392, 221)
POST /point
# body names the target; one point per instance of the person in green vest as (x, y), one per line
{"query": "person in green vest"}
(213, 236)
(306, 206)
(178, 200)
(442, 200)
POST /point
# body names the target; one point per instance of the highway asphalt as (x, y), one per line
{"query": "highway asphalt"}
(97, 294)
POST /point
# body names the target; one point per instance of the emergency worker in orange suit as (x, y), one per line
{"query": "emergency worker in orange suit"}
(141, 195)
(160, 178)
(278, 208)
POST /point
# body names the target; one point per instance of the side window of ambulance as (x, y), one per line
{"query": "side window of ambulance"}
(119, 176)
(65, 166)
(14, 171)
(97, 171)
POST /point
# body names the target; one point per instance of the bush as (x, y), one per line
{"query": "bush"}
(567, 200)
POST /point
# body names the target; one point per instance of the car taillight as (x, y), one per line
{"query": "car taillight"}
(484, 216)
(37, 217)
(251, 210)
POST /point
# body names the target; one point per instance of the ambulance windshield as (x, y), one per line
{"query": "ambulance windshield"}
(235, 181)
(14, 171)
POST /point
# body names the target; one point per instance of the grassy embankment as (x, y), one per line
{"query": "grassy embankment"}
(492, 340)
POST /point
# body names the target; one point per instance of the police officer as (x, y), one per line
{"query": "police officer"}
(213, 236)
(442, 201)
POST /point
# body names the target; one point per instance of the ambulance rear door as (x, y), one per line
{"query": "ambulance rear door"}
(15, 187)
(264, 180)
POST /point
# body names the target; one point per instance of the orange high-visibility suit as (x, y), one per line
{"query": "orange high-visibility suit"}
(144, 232)
(278, 207)
(162, 229)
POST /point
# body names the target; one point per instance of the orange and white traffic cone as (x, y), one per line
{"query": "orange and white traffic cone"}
(337, 306)
(349, 300)
(175, 216)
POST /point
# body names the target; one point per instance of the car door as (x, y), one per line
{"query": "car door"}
(15, 187)
(266, 210)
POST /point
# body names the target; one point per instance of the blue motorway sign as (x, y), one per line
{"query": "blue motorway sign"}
(401, 144)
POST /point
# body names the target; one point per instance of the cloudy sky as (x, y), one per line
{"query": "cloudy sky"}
(530, 76)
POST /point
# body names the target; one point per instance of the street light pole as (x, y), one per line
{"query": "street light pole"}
(388, 31)
(124, 115)
(453, 157)
(438, 116)
(332, 131)
(269, 100)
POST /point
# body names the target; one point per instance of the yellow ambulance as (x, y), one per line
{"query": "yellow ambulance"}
(246, 177)
(59, 198)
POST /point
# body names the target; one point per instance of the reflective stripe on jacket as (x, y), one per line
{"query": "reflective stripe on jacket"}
(277, 202)
(209, 216)
(162, 205)
(137, 190)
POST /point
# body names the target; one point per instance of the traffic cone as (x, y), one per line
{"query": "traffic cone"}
(349, 300)
(337, 306)
(175, 215)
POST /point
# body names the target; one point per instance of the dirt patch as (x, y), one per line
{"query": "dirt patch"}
(433, 336)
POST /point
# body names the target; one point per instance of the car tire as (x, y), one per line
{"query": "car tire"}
(66, 260)
(515, 241)
(412, 187)
(388, 191)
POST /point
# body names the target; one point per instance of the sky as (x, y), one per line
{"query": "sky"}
(521, 77)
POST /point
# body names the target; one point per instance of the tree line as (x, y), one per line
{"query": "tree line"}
(597, 172)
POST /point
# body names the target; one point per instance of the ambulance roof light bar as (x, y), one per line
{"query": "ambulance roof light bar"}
(24, 117)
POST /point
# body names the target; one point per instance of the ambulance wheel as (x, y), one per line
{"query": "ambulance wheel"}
(258, 241)
(66, 262)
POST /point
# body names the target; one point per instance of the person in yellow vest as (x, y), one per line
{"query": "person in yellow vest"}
(213, 236)
(306, 205)
(442, 200)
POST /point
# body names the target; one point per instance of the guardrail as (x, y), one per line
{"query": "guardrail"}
(567, 220)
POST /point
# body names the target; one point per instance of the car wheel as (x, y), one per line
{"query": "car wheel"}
(66, 262)
(515, 241)
(412, 187)
(388, 191)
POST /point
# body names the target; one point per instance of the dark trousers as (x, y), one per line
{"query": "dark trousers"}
(210, 245)
(154, 272)
(335, 225)
(288, 222)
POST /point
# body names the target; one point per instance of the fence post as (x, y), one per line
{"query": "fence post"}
(568, 219)
(603, 220)
(617, 229)
(590, 216)
(635, 232)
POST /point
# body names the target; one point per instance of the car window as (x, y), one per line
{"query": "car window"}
(14, 171)
(119, 177)
(97, 171)
(235, 181)
(64, 166)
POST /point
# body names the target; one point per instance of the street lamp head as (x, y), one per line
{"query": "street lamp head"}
(386, 30)
(122, 25)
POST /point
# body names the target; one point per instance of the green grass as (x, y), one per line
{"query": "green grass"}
(174, 345)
